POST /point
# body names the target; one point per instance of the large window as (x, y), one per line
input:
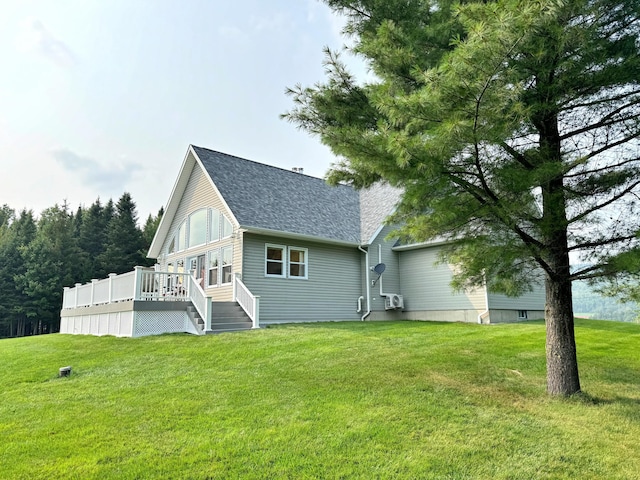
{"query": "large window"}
(227, 227)
(286, 262)
(219, 266)
(202, 226)
(227, 261)
(220, 226)
(214, 226)
(198, 228)
(181, 237)
(213, 262)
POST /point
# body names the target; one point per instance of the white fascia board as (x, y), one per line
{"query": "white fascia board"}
(234, 220)
(380, 227)
(416, 246)
(375, 235)
(172, 204)
(297, 236)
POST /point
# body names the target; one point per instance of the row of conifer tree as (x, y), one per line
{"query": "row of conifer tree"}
(41, 255)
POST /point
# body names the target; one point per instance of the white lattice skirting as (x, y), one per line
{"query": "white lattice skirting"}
(128, 323)
(155, 323)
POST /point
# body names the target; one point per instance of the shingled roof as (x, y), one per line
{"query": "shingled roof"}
(270, 198)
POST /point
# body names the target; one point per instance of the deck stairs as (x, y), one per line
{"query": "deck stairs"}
(195, 318)
(229, 317)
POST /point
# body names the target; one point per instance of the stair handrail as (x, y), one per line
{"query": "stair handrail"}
(200, 301)
(249, 302)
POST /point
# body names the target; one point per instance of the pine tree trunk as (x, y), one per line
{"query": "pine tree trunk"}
(562, 361)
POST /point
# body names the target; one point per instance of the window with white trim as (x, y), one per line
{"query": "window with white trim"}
(274, 260)
(297, 262)
(214, 225)
(206, 225)
(181, 237)
(286, 262)
(198, 228)
(226, 254)
(227, 227)
(522, 314)
(213, 261)
(219, 266)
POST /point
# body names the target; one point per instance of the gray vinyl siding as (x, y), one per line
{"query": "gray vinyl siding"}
(330, 292)
(390, 280)
(200, 194)
(426, 285)
(533, 300)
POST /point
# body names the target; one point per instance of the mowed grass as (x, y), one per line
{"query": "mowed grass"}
(331, 400)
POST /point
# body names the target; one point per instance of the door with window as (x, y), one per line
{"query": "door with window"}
(197, 268)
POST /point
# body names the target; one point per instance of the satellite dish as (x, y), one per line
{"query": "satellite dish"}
(379, 268)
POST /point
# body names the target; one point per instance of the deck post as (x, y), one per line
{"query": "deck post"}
(75, 301)
(111, 275)
(93, 287)
(208, 309)
(256, 312)
(65, 297)
(137, 283)
(235, 280)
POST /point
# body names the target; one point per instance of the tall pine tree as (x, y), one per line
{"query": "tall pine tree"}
(51, 263)
(513, 129)
(125, 246)
(15, 306)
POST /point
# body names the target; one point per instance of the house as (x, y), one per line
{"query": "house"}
(243, 243)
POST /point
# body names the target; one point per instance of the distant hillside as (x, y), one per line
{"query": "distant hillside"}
(589, 303)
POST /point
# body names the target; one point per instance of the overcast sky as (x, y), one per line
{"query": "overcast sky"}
(100, 97)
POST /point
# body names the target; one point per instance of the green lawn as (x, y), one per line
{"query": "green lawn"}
(331, 400)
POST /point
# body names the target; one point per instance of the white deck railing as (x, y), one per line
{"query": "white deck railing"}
(200, 301)
(140, 284)
(150, 285)
(249, 302)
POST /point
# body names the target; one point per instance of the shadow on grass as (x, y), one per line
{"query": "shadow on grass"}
(629, 404)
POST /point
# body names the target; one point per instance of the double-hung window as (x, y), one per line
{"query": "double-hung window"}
(275, 261)
(226, 255)
(212, 267)
(297, 262)
(285, 262)
(219, 266)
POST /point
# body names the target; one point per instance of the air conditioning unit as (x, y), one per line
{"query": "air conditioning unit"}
(393, 301)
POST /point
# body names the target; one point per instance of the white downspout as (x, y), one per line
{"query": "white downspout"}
(380, 279)
(366, 272)
(486, 302)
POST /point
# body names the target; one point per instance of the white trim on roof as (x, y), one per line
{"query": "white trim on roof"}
(297, 236)
(191, 159)
(171, 206)
(234, 220)
(415, 246)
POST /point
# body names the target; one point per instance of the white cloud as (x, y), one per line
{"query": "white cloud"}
(34, 37)
(93, 173)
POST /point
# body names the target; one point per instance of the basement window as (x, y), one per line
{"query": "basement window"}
(522, 314)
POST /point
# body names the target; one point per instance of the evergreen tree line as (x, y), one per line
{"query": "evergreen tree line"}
(40, 256)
